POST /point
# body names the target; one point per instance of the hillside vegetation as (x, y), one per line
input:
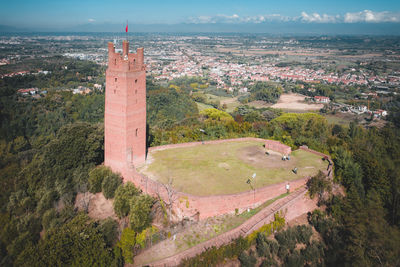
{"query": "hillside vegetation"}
(49, 147)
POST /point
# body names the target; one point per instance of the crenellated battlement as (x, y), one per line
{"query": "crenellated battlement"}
(125, 61)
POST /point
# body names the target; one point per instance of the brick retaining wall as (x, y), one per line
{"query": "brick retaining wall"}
(201, 207)
(293, 205)
(278, 147)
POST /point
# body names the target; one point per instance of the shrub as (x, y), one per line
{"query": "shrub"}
(262, 246)
(287, 239)
(304, 233)
(122, 199)
(213, 256)
(273, 246)
(145, 235)
(318, 184)
(47, 200)
(294, 259)
(108, 228)
(313, 253)
(48, 218)
(247, 260)
(96, 177)
(212, 114)
(127, 243)
(140, 209)
(267, 229)
(110, 184)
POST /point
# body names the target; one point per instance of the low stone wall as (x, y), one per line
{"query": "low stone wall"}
(305, 148)
(201, 207)
(191, 144)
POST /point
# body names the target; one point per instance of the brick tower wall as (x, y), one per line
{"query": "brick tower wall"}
(125, 109)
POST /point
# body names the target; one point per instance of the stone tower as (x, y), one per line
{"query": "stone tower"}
(125, 109)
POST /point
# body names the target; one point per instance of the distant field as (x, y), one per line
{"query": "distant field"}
(343, 118)
(299, 52)
(339, 119)
(295, 102)
(202, 106)
(289, 102)
(224, 168)
(231, 102)
(259, 104)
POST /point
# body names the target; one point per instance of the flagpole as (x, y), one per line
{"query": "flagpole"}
(126, 30)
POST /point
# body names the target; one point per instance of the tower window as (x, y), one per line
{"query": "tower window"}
(116, 79)
(135, 92)
(115, 91)
(137, 130)
(136, 81)
(115, 61)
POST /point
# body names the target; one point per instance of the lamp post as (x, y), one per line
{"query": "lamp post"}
(254, 189)
(253, 186)
(202, 139)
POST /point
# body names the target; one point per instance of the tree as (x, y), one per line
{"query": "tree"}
(347, 171)
(123, 196)
(318, 184)
(108, 228)
(265, 91)
(171, 195)
(96, 177)
(213, 114)
(247, 260)
(103, 179)
(110, 184)
(76, 243)
(368, 239)
(140, 209)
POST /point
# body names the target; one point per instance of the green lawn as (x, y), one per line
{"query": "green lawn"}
(231, 102)
(202, 106)
(214, 169)
(343, 119)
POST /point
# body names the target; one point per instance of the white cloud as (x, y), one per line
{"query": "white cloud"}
(315, 17)
(365, 16)
(215, 19)
(371, 16)
(91, 20)
(221, 18)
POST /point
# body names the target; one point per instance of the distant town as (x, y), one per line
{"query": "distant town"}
(356, 79)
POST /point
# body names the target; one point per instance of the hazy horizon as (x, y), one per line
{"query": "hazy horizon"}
(295, 17)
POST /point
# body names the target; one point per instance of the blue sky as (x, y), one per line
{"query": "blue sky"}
(57, 13)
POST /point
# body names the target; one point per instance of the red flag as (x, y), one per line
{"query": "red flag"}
(126, 28)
